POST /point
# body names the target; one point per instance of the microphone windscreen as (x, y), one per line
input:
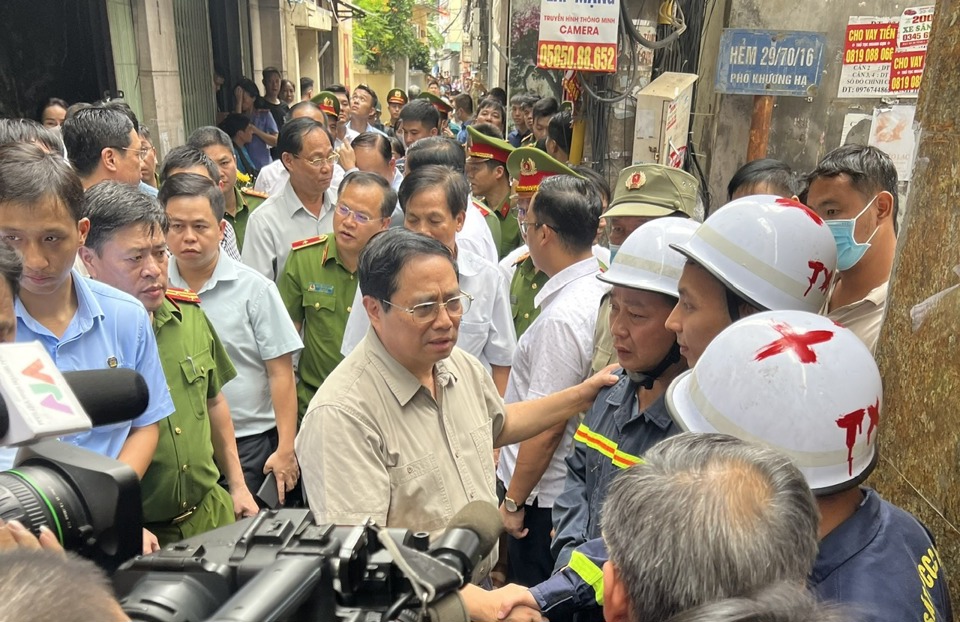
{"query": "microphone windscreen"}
(483, 519)
(109, 395)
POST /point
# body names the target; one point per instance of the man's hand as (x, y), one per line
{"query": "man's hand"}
(150, 543)
(348, 157)
(284, 466)
(589, 388)
(244, 504)
(515, 597)
(513, 522)
(13, 535)
(238, 99)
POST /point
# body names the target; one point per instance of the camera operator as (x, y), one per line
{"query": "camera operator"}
(403, 430)
(50, 586)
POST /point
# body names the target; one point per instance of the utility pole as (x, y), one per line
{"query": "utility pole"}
(919, 467)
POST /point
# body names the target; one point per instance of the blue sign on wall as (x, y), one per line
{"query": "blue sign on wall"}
(769, 62)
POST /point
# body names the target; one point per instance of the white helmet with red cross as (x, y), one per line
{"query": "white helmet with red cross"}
(775, 253)
(794, 381)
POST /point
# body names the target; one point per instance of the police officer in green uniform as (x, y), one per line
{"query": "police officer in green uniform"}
(487, 171)
(125, 248)
(181, 497)
(319, 281)
(245, 201)
(643, 193)
(444, 108)
(329, 105)
(396, 100)
(528, 166)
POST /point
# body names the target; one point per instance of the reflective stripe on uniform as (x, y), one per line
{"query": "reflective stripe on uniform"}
(606, 447)
(589, 572)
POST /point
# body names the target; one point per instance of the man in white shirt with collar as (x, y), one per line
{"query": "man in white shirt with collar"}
(854, 189)
(362, 103)
(303, 207)
(553, 354)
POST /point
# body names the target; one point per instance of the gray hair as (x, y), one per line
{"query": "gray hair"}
(781, 602)
(70, 589)
(112, 206)
(707, 516)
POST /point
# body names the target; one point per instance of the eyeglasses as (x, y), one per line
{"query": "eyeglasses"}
(428, 311)
(525, 226)
(346, 212)
(142, 152)
(330, 160)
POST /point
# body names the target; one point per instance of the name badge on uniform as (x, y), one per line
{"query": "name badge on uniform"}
(321, 288)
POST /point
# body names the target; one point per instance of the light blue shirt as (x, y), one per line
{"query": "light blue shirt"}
(148, 190)
(109, 329)
(248, 315)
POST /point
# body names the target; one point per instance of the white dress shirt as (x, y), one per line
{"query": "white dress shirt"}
(508, 265)
(486, 330)
(475, 236)
(280, 221)
(553, 354)
(272, 177)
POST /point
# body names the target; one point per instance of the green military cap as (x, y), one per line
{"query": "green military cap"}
(530, 166)
(438, 102)
(653, 190)
(396, 96)
(328, 103)
(487, 147)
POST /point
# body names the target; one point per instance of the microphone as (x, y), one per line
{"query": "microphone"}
(38, 401)
(469, 537)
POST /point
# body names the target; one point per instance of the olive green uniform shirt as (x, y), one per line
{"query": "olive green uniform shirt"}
(603, 352)
(510, 237)
(527, 281)
(183, 472)
(492, 222)
(247, 201)
(318, 291)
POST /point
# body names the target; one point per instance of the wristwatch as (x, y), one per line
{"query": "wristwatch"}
(510, 505)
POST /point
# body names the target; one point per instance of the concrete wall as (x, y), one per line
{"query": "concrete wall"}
(803, 128)
(159, 73)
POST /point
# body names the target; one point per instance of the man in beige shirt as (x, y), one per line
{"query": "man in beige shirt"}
(403, 430)
(854, 189)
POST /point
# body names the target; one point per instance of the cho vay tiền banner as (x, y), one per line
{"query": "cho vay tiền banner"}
(580, 35)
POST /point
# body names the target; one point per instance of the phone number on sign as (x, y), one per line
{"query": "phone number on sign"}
(577, 57)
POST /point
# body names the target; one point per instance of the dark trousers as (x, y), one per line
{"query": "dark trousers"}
(254, 451)
(529, 560)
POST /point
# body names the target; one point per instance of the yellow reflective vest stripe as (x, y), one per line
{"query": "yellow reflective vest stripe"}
(591, 573)
(606, 447)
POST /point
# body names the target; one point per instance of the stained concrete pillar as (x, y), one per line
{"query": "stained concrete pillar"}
(159, 73)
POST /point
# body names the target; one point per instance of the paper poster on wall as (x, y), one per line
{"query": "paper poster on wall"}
(885, 56)
(892, 132)
(856, 128)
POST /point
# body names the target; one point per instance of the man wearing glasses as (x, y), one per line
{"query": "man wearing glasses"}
(103, 145)
(403, 430)
(304, 205)
(553, 354)
(319, 282)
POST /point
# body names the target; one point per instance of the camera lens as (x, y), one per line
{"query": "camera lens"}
(37, 495)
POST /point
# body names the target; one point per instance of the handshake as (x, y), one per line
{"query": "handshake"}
(510, 603)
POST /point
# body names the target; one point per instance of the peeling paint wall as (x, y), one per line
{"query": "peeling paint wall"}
(803, 129)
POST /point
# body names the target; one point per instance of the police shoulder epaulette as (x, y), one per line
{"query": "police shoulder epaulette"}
(482, 207)
(522, 258)
(309, 242)
(176, 294)
(254, 193)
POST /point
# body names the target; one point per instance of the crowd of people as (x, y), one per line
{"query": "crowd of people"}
(390, 320)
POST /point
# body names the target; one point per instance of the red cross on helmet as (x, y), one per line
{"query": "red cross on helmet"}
(794, 381)
(774, 253)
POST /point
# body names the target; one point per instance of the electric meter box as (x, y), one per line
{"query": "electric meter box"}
(663, 120)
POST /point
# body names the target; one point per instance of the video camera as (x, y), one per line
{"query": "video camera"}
(279, 565)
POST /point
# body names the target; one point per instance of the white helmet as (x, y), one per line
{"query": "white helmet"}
(775, 253)
(646, 259)
(794, 381)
